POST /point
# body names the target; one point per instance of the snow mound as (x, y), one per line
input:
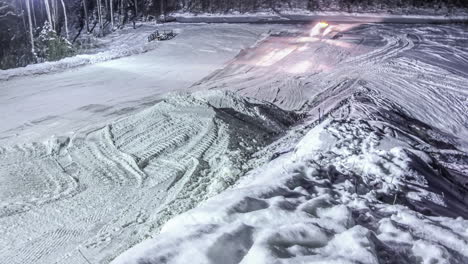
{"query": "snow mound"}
(365, 187)
(128, 177)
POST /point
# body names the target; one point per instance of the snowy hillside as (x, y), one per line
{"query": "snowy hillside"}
(342, 196)
(379, 177)
(344, 142)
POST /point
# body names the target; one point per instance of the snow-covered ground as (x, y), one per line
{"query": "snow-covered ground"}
(84, 172)
(379, 176)
(99, 192)
(350, 192)
(33, 107)
(376, 171)
(423, 69)
(128, 41)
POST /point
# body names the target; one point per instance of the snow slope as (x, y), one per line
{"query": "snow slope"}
(422, 68)
(376, 173)
(97, 193)
(344, 195)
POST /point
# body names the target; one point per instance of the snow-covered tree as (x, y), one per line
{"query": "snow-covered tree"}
(50, 46)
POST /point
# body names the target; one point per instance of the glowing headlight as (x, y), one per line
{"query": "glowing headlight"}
(323, 24)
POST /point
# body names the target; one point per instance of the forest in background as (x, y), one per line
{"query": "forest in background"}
(44, 30)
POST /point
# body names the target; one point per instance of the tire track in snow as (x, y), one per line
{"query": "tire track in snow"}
(31, 178)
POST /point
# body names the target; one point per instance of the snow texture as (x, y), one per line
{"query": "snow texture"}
(313, 206)
(129, 41)
(107, 189)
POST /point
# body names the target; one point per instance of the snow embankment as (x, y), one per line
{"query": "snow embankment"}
(362, 188)
(423, 69)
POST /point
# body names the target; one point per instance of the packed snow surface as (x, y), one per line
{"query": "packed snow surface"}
(340, 143)
(35, 105)
(423, 69)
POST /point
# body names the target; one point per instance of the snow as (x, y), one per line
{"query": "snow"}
(373, 180)
(107, 189)
(417, 78)
(221, 171)
(34, 107)
(314, 206)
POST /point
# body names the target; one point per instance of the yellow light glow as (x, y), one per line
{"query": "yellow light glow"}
(317, 29)
(323, 24)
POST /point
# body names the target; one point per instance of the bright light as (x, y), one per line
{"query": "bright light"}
(323, 24)
(317, 29)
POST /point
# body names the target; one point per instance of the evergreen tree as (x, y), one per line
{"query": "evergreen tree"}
(50, 46)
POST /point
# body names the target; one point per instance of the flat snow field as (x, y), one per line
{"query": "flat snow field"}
(340, 143)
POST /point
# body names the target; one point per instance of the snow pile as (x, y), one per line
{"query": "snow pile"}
(107, 189)
(357, 189)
